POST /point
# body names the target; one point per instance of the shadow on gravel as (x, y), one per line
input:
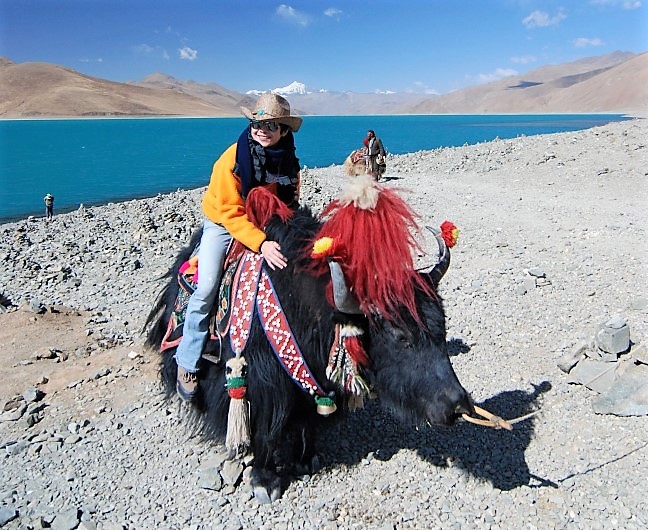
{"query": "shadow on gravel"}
(496, 456)
(388, 178)
(457, 346)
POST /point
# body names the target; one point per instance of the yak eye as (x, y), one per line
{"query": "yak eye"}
(403, 338)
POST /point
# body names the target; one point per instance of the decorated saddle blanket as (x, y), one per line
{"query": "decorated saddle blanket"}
(219, 321)
(358, 155)
(245, 292)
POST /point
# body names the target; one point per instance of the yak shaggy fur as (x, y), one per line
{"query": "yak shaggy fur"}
(409, 369)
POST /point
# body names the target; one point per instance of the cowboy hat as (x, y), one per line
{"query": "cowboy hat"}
(273, 107)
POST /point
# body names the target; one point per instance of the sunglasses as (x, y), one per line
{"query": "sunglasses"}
(271, 126)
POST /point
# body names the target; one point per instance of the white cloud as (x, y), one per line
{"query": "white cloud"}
(290, 14)
(524, 59)
(584, 42)
(333, 12)
(144, 49)
(625, 4)
(541, 19)
(187, 53)
(98, 60)
(421, 87)
(499, 73)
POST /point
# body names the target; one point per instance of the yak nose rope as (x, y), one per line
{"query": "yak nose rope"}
(493, 421)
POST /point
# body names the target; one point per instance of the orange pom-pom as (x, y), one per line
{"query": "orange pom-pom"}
(323, 247)
(449, 233)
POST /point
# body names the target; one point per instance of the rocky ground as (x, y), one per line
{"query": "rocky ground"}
(552, 245)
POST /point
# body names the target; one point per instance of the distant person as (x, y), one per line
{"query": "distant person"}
(376, 153)
(264, 155)
(49, 206)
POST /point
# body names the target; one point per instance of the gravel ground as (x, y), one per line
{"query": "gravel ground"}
(567, 210)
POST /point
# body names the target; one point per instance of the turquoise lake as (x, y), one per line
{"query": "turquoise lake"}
(95, 161)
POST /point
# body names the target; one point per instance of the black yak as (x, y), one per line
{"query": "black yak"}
(386, 336)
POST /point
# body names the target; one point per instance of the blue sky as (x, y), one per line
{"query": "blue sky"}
(363, 46)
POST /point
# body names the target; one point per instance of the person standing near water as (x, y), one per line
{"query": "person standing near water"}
(376, 153)
(49, 206)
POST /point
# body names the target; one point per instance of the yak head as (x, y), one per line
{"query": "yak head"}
(368, 237)
(410, 367)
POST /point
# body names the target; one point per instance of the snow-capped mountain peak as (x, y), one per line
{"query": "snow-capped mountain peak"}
(293, 88)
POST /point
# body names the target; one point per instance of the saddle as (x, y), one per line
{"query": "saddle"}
(221, 312)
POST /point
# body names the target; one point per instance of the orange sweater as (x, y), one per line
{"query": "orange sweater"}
(224, 205)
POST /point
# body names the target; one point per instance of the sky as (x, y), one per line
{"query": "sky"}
(420, 46)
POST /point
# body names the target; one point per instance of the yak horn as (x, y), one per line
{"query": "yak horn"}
(344, 300)
(442, 265)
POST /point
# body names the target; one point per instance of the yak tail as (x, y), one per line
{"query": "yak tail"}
(159, 316)
(163, 306)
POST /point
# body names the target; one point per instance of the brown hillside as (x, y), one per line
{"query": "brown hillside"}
(42, 89)
(623, 88)
(211, 92)
(605, 87)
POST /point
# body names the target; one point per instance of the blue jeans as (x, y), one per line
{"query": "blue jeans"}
(211, 256)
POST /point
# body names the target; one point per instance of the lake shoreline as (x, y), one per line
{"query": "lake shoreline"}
(100, 161)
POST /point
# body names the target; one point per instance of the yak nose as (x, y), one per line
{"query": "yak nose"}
(456, 404)
(464, 406)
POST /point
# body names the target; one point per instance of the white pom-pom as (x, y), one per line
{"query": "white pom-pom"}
(362, 191)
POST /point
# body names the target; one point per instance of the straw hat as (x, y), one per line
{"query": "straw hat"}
(273, 107)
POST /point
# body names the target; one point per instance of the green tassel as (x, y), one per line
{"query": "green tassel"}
(235, 382)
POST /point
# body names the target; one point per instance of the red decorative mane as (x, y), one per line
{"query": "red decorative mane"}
(373, 234)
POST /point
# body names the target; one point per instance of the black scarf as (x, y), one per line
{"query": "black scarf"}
(256, 165)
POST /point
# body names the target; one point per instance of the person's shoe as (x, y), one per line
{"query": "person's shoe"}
(186, 384)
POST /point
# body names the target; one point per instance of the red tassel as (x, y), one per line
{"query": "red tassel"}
(261, 204)
(356, 351)
(237, 393)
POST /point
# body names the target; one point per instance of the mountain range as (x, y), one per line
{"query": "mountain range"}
(614, 82)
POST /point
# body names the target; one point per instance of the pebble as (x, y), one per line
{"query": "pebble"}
(535, 269)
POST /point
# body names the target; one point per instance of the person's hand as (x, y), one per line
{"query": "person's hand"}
(271, 252)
